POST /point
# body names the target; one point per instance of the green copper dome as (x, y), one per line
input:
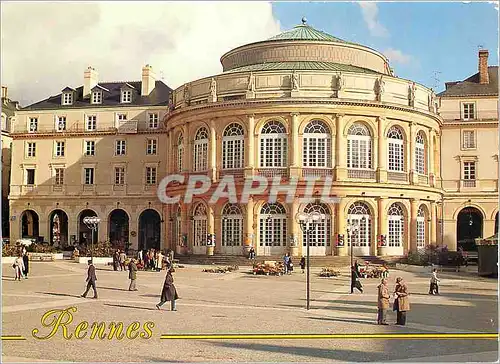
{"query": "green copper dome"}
(306, 32)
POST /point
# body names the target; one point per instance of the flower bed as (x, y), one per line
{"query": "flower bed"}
(329, 272)
(221, 269)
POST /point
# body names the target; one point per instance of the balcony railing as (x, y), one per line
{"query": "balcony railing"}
(468, 183)
(361, 173)
(316, 172)
(236, 173)
(47, 190)
(125, 127)
(423, 180)
(273, 172)
(397, 176)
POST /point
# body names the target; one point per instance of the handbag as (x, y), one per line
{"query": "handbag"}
(395, 307)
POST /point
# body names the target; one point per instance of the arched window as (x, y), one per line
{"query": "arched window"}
(359, 147)
(273, 145)
(272, 225)
(180, 153)
(200, 225)
(233, 147)
(200, 161)
(396, 149)
(321, 234)
(176, 225)
(396, 225)
(232, 225)
(421, 227)
(359, 214)
(420, 162)
(317, 145)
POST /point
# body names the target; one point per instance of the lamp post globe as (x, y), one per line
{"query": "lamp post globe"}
(92, 222)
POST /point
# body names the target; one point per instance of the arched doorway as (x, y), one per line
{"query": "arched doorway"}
(84, 233)
(200, 229)
(58, 228)
(149, 229)
(469, 227)
(272, 229)
(118, 228)
(232, 229)
(320, 236)
(359, 214)
(30, 225)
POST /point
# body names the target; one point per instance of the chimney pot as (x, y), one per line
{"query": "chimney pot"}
(483, 67)
(90, 80)
(148, 80)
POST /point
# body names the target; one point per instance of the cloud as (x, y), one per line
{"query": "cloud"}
(47, 46)
(396, 56)
(370, 15)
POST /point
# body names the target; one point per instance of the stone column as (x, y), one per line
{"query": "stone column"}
(218, 232)
(102, 233)
(188, 146)
(437, 164)
(341, 155)
(211, 227)
(212, 166)
(250, 146)
(413, 225)
(411, 154)
(294, 238)
(382, 152)
(294, 146)
(134, 226)
(169, 162)
(186, 230)
(431, 170)
(249, 233)
(382, 224)
(341, 227)
(433, 239)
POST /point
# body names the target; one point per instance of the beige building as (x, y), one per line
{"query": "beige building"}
(94, 150)
(469, 154)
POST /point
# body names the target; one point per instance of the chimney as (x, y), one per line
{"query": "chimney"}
(90, 80)
(483, 67)
(148, 80)
(4, 92)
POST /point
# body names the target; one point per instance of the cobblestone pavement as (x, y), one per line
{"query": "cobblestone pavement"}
(240, 302)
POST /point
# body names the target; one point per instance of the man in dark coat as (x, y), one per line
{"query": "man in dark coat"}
(168, 293)
(26, 265)
(132, 275)
(402, 301)
(355, 283)
(91, 278)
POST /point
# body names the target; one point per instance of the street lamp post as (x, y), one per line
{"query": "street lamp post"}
(352, 227)
(307, 223)
(92, 222)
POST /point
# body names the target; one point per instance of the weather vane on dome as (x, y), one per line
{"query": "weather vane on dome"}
(304, 20)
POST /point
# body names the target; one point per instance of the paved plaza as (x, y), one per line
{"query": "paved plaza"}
(240, 302)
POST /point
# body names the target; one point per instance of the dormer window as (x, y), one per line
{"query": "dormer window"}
(67, 98)
(96, 97)
(126, 96)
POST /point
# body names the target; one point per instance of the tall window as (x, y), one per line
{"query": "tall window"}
(359, 147)
(59, 152)
(396, 225)
(321, 233)
(61, 123)
(201, 150)
(30, 177)
(469, 139)
(272, 225)
(67, 98)
(470, 170)
(153, 121)
(33, 125)
(91, 123)
(180, 153)
(31, 149)
(89, 147)
(59, 176)
(396, 149)
(96, 97)
(421, 227)
(89, 176)
(359, 214)
(200, 225)
(420, 153)
(119, 176)
(120, 147)
(233, 147)
(150, 175)
(317, 145)
(151, 146)
(232, 225)
(176, 225)
(469, 111)
(273, 145)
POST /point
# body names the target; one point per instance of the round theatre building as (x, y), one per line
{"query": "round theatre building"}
(299, 105)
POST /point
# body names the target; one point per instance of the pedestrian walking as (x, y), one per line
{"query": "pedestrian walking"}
(434, 287)
(18, 267)
(159, 262)
(132, 275)
(122, 258)
(286, 259)
(290, 266)
(168, 293)
(116, 260)
(91, 279)
(355, 282)
(25, 265)
(383, 302)
(302, 263)
(401, 301)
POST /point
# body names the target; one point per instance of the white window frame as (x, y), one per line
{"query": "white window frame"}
(151, 178)
(119, 175)
(469, 170)
(359, 214)
(89, 178)
(317, 146)
(273, 146)
(420, 155)
(232, 225)
(30, 149)
(33, 124)
(89, 148)
(273, 225)
(396, 227)
(59, 148)
(180, 153)
(421, 228)
(395, 152)
(126, 96)
(154, 120)
(467, 143)
(233, 147)
(359, 147)
(91, 123)
(121, 117)
(61, 123)
(120, 147)
(151, 146)
(321, 233)
(466, 111)
(59, 176)
(67, 98)
(97, 97)
(200, 225)
(200, 150)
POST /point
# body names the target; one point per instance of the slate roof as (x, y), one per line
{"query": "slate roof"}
(158, 97)
(472, 87)
(301, 65)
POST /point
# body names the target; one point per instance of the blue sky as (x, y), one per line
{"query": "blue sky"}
(424, 37)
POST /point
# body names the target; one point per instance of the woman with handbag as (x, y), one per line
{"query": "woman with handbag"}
(401, 301)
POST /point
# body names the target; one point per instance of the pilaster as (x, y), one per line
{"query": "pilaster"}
(341, 152)
(250, 146)
(213, 152)
(294, 239)
(382, 151)
(294, 146)
(434, 222)
(382, 223)
(411, 154)
(413, 225)
(249, 232)
(341, 226)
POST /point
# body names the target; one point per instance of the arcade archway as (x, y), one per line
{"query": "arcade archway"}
(30, 224)
(149, 229)
(58, 225)
(469, 227)
(84, 233)
(118, 228)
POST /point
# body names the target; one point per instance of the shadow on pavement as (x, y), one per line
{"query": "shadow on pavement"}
(136, 307)
(114, 289)
(356, 321)
(60, 294)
